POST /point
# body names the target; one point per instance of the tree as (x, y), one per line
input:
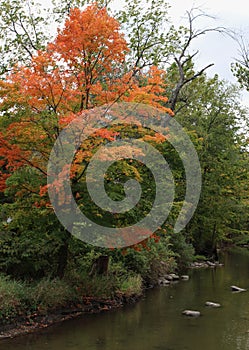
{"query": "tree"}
(210, 110)
(90, 64)
(23, 31)
(81, 69)
(152, 39)
(240, 68)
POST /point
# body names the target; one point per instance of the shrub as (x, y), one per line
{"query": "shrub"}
(184, 252)
(151, 261)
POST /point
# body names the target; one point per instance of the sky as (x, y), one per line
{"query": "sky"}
(213, 47)
(216, 48)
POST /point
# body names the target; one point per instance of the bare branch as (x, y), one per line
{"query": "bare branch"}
(184, 57)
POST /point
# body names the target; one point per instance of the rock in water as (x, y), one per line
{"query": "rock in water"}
(174, 277)
(211, 304)
(163, 282)
(185, 277)
(191, 313)
(237, 289)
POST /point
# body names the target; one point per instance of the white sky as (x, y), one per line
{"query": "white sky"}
(217, 48)
(213, 47)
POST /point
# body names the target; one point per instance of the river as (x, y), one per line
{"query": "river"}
(156, 321)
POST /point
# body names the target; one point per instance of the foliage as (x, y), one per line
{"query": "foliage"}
(150, 259)
(95, 59)
(80, 69)
(212, 111)
(183, 252)
(23, 31)
(240, 68)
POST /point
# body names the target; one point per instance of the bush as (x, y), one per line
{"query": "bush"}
(151, 261)
(98, 286)
(184, 252)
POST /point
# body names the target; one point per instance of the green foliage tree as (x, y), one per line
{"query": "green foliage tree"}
(210, 110)
(240, 67)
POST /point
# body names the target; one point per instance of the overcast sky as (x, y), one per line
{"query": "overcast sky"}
(213, 47)
(217, 48)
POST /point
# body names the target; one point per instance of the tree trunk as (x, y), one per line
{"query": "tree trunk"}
(63, 255)
(100, 266)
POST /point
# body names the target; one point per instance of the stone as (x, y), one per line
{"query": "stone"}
(212, 304)
(185, 277)
(169, 277)
(237, 289)
(163, 282)
(174, 277)
(197, 265)
(191, 313)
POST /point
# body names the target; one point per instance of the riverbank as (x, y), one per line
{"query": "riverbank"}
(27, 306)
(25, 324)
(156, 320)
(31, 304)
(89, 305)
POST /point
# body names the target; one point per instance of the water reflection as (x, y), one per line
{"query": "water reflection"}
(156, 322)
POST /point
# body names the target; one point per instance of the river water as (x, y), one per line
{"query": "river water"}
(156, 321)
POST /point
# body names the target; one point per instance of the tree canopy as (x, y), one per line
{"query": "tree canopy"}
(98, 58)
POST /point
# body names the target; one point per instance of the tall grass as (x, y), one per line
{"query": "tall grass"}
(12, 297)
(18, 298)
(132, 286)
(22, 299)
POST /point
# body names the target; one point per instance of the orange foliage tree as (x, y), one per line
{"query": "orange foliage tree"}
(84, 67)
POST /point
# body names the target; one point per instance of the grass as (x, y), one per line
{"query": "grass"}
(132, 286)
(12, 296)
(50, 294)
(18, 298)
(22, 299)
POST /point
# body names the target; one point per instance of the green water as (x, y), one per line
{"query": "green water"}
(156, 321)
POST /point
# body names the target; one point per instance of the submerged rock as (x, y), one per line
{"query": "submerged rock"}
(237, 289)
(211, 304)
(191, 313)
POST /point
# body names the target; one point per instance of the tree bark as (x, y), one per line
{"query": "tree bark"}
(100, 266)
(63, 255)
